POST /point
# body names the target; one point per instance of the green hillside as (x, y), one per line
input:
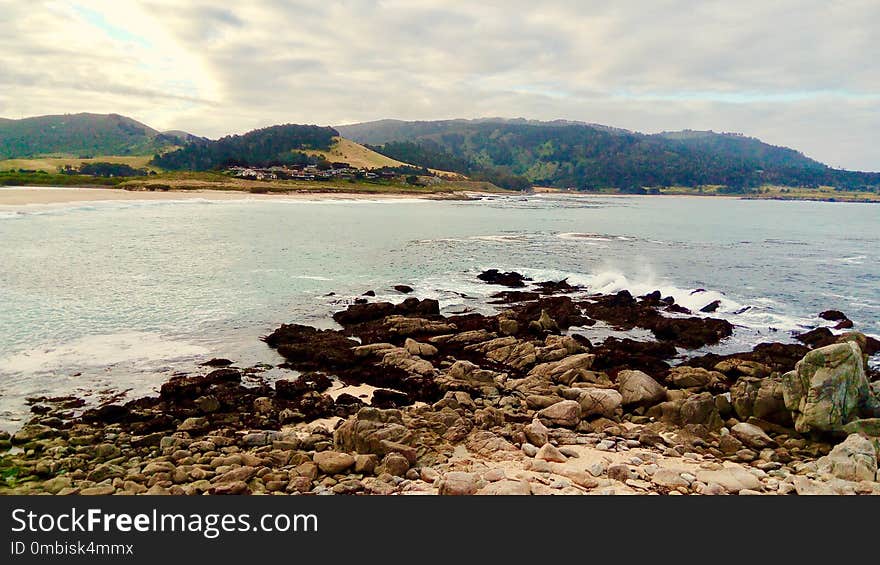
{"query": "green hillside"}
(587, 156)
(81, 135)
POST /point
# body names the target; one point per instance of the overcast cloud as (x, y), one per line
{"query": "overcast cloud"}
(801, 73)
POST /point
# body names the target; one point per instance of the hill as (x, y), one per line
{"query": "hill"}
(275, 145)
(81, 135)
(563, 154)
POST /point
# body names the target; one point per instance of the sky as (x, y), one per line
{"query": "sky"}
(799, 73)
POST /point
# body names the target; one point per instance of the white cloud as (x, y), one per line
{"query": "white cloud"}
(796, 72)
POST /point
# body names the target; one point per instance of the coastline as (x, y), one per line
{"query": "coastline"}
(27, 196)
(474, 404)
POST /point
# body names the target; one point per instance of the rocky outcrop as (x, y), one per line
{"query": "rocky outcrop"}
(829, 389)
(853, 460)
(639, 388)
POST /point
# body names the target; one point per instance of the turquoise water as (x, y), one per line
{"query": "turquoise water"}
(102, 298)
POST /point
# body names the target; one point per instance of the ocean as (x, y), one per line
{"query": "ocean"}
(107, 300)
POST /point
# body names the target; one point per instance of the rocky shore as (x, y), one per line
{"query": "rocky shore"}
(405, 400)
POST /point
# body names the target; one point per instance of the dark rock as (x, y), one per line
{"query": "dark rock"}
(711, 307)
(308, 382)
(511, 279)
(179, 388)
(833, 315)
(309, 349)
(815, 338)
(557, 287)
(402, 288)
(217, 362)
(369, 293)
(384, 398)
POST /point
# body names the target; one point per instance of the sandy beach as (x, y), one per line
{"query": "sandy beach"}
(23, 196)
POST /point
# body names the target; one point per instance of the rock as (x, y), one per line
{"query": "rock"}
(537, 433)
(529, 450)
(31, 432)
(553, 371)
(508, 327)
(544, 323)
(510, 279)
(566, 414)
(195, 424)
(751, 435)
(207, 404)
(700, 409)
(102, 490)
(217, 362)
(693, 377)
(333, 462)
(599, 402)
(365, 464)
(711, 307)
(421, 349)
(506, 487)
(669, 478)
(639, 388)
(828, 389)
(760, 397)
(394, 464)
(833, 315)
(375, 431)
(403, 289)
(549, 452)
(853, 460)
(867, 426)
(732, 479)
(457, 483)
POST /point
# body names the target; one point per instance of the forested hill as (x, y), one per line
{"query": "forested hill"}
(516, 153)
(81, 135)
(274, 145)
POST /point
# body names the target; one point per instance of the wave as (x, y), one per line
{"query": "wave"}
(99, 351)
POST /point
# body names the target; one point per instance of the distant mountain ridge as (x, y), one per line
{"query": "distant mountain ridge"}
(578, 155)
(83, 135)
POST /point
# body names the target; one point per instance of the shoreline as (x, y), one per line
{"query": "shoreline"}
(476, 404)
(31, 196)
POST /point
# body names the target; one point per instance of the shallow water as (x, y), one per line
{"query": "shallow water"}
(99, 298)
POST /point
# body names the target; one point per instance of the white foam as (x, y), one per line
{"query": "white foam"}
(99, 351)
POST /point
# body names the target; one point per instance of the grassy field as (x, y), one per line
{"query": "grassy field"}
(347, 151)
(55, 164)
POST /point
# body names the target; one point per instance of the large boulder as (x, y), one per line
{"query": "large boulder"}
(853, 460)
(828, 388)
(639, 388)
(374, 431)
(693, 377)
(761, 398)
(566, 413)
(599, 402)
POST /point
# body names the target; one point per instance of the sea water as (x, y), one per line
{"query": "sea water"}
(106, 300)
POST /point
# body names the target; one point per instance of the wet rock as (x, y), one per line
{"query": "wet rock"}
(310, 349)
(833, 315)
(639, 388)
(853, 460)
(403, 289)
(207, 404)
(711, 307)
(31, 432)
(184, 388)
(217, 362)
(510, 279)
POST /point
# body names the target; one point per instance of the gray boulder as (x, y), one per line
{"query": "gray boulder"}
(828, 389)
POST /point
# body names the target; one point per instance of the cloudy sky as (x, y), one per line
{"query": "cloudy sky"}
(802, 73)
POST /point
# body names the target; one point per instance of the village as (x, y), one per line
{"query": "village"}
(323, 171)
